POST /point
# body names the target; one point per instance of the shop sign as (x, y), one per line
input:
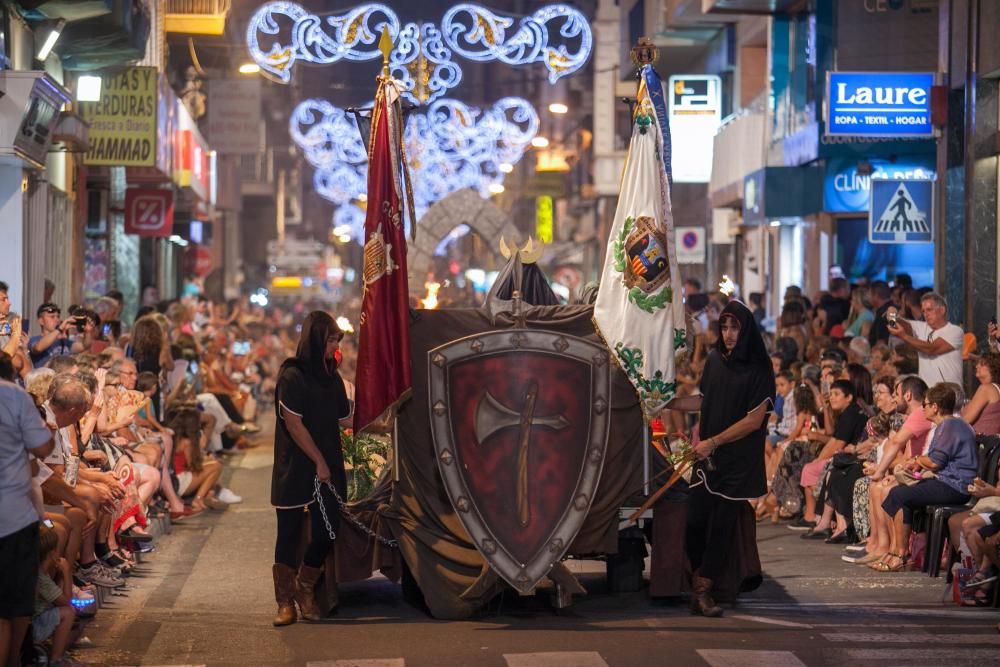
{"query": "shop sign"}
(543, 218)
(753, 198)
(901, 211)
(879, 104)
(694, 109)
(847, 191)
(234, 121)
(690, 245)
(149, 211)
(123, 123)
(191, 163)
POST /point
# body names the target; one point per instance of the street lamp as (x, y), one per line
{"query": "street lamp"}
(249, 68)
(496, 188)
(540, 142)
(558, 107)
(505, 167)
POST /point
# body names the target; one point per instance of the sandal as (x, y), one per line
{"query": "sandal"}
(882, 565)
(902, 566)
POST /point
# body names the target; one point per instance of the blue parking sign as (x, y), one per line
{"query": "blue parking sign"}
(901, 211)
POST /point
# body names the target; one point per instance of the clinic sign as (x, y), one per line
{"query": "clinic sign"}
(879, 104)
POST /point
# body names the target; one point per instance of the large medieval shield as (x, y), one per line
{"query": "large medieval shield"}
(520, 425)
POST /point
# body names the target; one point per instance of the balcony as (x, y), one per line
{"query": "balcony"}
(197, 17)
(764, 7)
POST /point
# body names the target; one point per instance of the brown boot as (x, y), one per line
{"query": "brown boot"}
(702, 603)
(305, 592)
(284, 594)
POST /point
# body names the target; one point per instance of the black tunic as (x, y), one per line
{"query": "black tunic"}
(321, 404)
(732, 387)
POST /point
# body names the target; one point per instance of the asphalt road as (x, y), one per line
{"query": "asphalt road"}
(205, 598)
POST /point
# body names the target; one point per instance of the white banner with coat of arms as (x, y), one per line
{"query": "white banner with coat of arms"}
(639, 311)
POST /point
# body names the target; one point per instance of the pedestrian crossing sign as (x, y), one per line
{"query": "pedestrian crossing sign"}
(901, 211)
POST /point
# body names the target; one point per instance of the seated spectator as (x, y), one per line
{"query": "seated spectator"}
(197, 474)
(983, 411)
(942, 476)
(968, 531)
(54, 614)
(797, 451)
(849, 429)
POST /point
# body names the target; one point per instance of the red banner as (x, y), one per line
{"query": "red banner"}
(149, 211)
(383, 371)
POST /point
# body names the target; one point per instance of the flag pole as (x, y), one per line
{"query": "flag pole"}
(646, 444)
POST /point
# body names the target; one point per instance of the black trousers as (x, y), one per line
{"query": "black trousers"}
(711, 532)
(19, 572)
(226, 401)
(290, 525)
(921, 494)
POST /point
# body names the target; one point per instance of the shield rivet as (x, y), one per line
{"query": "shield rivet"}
(561, 344)
(440, 408)
(600, 358)
(462, 504)
(581, 502)
(439, 360)
(446, 457)
(477, 345)
(518, 339)
(489, 547)
(556, 545)
(596, 455)
(523, 578)
(600, 405)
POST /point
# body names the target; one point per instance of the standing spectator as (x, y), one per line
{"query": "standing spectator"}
(881, 299)
(937, 341)
(22, 432)
(834, 308)
(54, 340)
(692, 286)
(757, 307)
(859, 321)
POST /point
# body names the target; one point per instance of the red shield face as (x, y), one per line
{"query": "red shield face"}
(520, 424)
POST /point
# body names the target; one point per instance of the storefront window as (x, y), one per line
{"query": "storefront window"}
(881, 261)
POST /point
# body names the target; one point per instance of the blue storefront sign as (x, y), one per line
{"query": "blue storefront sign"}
(879, 104)
(901, 211)
(847, 191)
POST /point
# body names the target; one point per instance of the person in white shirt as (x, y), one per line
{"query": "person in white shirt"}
(937, 341)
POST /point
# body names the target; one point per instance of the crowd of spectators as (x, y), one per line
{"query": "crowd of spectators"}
(872, 424)
(104, 428)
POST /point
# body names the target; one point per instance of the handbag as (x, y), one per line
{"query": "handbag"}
(987, 505)
(844, 460)
(910, 478)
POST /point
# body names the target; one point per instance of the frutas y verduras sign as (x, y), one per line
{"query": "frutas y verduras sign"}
(879, 104)
(123, 122)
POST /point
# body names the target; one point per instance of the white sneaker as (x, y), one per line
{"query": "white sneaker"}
(97, 574)
(228, 497)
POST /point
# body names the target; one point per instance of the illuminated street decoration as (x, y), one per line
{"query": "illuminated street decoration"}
(450, 146)
(484, 37)
(281, 33)
(351, 36)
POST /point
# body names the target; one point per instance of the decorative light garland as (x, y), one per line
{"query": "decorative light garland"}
(422, 59)
(450, 146)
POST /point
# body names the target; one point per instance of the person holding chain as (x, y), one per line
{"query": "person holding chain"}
(310, 401)
(738, 391)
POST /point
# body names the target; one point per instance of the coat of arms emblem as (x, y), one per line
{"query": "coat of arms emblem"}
(646, 263)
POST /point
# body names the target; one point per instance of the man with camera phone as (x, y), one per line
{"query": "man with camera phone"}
(54, 340)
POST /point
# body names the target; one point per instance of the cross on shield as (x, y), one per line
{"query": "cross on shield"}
(520, 424)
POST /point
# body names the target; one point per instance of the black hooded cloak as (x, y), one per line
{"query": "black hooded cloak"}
(732, 386)
(311, 389)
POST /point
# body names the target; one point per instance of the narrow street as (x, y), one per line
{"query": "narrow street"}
(205, 598)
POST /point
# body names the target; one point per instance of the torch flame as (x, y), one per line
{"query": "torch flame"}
(430, 301)
(727, 286)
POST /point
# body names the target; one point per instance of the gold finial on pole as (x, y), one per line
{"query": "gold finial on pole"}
(385, 45)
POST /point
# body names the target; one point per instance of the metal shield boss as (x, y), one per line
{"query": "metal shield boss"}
(520, 424)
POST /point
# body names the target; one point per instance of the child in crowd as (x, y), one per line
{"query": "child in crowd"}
(54, 614)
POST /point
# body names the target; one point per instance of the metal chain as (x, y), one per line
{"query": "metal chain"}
(342, 506)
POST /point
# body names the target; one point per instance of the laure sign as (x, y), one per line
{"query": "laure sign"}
(879, 104)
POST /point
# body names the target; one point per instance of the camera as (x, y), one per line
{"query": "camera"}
(891, 318)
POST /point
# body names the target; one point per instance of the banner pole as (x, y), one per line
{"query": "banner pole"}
(646, 444)
(395, 448)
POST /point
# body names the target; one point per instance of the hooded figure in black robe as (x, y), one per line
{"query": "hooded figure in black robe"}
(737, 381)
